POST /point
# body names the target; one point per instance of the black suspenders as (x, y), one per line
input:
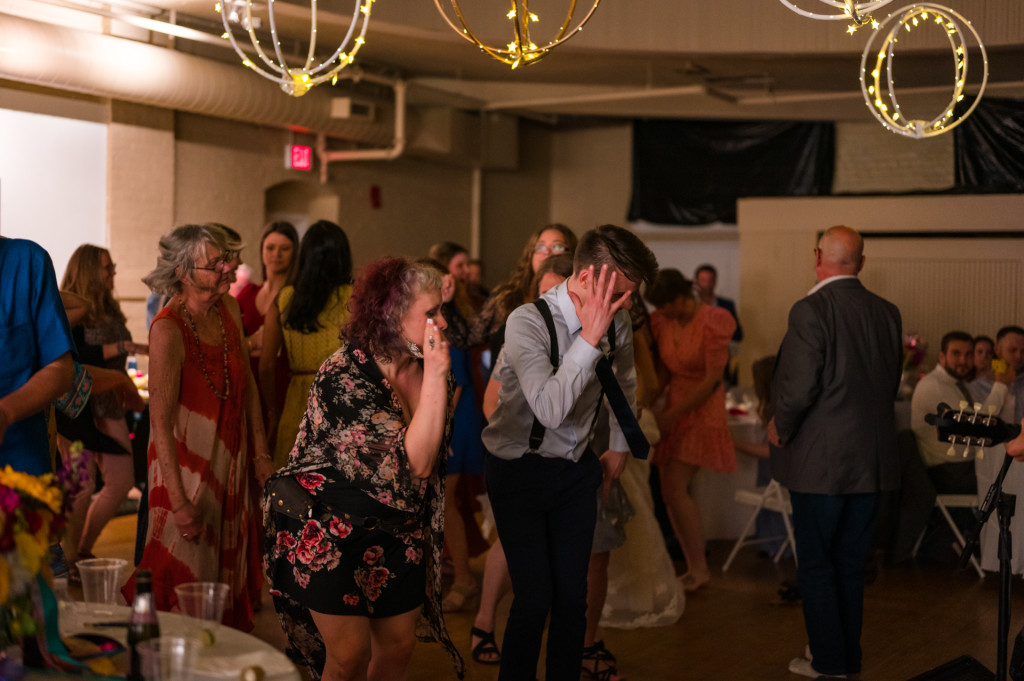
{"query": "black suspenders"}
(537, 431)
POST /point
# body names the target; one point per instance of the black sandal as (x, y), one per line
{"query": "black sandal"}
(487, 646)
(597, 655)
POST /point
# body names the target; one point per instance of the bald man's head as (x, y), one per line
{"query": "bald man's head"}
(840, 251)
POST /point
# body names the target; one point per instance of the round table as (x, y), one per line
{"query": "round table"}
(713, 492)
(232, 652)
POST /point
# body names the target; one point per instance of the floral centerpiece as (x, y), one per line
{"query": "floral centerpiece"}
(914, 350)
(33, 512)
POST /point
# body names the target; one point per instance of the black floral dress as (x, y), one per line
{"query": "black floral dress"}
(350, 454)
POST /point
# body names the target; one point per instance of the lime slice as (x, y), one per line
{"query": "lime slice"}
(207, 637)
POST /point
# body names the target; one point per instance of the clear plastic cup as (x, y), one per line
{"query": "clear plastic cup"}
(168, 658)
(101, 579)
(204, 601)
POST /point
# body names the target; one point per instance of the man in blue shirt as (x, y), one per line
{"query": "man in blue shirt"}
(36, 347)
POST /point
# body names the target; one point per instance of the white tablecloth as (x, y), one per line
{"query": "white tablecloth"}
(231, 653)
(722, 517)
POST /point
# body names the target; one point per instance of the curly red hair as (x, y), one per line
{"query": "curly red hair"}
(380, 297)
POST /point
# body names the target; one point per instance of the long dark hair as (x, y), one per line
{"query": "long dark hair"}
(325, 263)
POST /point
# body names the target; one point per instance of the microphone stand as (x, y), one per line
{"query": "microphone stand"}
(996, 499)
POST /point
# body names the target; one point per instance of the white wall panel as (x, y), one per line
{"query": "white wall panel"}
(53, 182)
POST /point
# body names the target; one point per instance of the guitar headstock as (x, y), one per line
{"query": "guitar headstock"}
(970, 426)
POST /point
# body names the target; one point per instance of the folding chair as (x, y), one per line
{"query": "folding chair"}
(945, 502)
(771, 497)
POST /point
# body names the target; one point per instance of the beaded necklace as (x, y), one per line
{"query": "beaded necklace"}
(202, 362)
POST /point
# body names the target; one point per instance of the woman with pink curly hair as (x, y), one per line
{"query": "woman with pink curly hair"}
(352, 575)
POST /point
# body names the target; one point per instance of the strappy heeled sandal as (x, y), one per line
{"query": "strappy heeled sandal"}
(486, 646)
(594, 657)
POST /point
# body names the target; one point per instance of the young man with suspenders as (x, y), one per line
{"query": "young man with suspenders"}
(541, 475)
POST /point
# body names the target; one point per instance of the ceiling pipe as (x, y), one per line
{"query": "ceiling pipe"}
(618, 95)
(63, 58)
(390, 153)
(807, 97)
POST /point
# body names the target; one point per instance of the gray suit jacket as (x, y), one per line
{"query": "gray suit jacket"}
(833, 392)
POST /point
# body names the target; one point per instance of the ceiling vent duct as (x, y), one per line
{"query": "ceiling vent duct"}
(351, 109)
(66, 59)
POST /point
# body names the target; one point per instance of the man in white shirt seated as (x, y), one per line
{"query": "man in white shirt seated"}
(946, 383)
(1010, 349)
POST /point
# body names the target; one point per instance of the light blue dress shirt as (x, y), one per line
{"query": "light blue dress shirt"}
(564, 402)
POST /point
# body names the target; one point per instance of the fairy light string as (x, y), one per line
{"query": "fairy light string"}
(877, 64)
(298, 80)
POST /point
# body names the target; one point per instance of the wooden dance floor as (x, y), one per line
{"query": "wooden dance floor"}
(917, 616)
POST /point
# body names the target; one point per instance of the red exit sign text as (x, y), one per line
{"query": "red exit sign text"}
(298, 157)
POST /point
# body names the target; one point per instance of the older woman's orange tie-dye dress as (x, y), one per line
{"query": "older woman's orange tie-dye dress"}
(215, 460)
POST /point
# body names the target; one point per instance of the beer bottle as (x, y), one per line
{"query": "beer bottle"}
(142, 625)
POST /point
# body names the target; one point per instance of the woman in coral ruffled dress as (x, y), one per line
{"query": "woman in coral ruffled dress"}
(693, 348)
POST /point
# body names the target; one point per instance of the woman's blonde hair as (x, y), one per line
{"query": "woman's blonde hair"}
(82, 277)
(515, 290)
(178, 252)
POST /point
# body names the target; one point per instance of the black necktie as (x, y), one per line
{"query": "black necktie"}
(963, 391)
(638, 444)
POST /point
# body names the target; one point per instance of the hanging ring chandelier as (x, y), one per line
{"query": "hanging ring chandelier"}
(521, 50)
(297, 81)
(880, 69)
(858, 12)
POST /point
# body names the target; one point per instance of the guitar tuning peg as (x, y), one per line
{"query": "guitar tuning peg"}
(980, 454)
(951, 451)
(963, 404)
(977, 407)
(967, 452)
(991, 409)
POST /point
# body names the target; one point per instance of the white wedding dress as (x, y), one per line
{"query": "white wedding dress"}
(643, 590)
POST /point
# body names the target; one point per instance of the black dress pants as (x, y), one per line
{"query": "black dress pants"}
(545, 513)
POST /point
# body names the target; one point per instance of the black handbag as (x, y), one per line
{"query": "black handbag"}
(288, 497)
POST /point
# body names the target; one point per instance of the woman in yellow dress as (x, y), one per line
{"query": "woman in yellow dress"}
(307, 319)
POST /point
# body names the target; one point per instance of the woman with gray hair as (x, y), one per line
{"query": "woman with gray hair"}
(205, 420)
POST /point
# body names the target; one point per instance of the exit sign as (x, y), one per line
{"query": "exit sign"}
(298, 157)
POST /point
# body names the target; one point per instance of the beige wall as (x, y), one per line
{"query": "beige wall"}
(225, 169)
(168, 170)
(778, 236)
(515, 203)
(140, 199)
(591, 176)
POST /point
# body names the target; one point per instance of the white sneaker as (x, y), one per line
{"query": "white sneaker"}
(802, 666)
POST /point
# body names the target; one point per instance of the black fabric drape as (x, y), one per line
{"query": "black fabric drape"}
(691, 173)
(988, 147)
